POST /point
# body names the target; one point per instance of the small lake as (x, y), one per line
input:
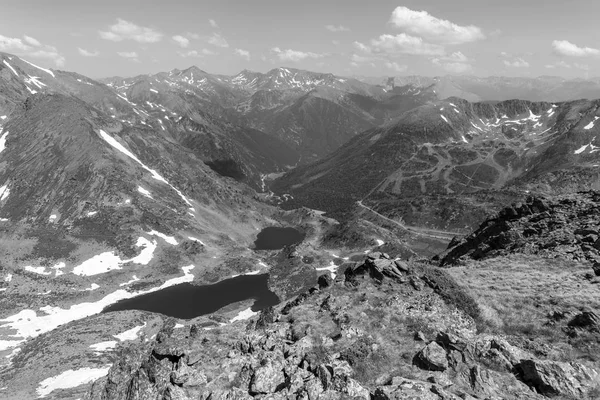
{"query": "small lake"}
(274, 238)
(188, 301)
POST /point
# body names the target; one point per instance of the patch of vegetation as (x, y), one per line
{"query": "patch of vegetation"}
(451, 292)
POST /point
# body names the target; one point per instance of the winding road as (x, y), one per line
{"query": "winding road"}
(434, 233)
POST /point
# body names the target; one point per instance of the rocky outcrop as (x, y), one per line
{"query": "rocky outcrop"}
(433, 357)
(356, 337)
(558, 378)
(564, 226)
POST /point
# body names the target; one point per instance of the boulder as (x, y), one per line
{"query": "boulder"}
(266, 378)
(433, 357)
(552, 378)
(586, 320)
(324, 281)
(187, 376)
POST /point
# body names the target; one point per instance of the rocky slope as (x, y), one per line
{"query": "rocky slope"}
(384, 329)
(242, 153)
(98, 205)
(565, 225)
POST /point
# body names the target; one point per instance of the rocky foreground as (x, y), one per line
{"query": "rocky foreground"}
(383, 329)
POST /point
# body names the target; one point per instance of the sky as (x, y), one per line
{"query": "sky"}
(105, 38)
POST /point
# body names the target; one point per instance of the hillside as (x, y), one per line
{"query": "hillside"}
(312, 113)
(447, 157)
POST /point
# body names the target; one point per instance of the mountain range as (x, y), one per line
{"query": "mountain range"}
(117, 188)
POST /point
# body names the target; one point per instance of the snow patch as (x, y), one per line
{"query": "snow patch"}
(108, 261)
(168, 239)
(130, 334)
(3, 140)
(4, 192)
(37, 270)
(40, 68)
(91, 213)
(581, 149)
(114, 143)
(332, 268)
(244, 314)
(103, 346)
(93, 287)
(591, 124)
(11, 68)
(196, 240)
(444, 118)
(145, 192)
(154, 90)
(70, 379)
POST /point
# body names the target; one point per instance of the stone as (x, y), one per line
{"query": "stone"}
(585, 320)
(433, 357)
(187, 376)
(266, 378)
(324, 281)
(402, 266)
(552, 378)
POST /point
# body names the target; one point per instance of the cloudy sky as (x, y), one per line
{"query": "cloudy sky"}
(349, 37)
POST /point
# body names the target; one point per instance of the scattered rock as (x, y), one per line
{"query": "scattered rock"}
(433, 357)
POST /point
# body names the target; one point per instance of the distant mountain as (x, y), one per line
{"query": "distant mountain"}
(454, 149)
(313, 113)
(472, 88)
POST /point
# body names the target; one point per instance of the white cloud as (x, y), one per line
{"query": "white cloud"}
(404, 44)
(362, 47)
(294, 55)
(87, 53)
(213, 23)
(395, 66)
(217, 40)
(339, 28)
(31, 41)
(429, 27)
(196, 53)
(31, 47)
(242, 53)
(125, 30)
(566, 48)
(130, 55)
(181, 41)
(516, 63)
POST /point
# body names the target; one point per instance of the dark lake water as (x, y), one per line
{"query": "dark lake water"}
(273, 238)
(188, 301)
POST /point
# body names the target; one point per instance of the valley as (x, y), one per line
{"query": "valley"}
(186, 235)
